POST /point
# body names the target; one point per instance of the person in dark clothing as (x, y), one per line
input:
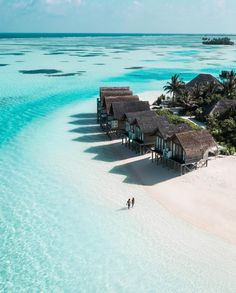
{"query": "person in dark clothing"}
(128, 203)
(133, 202)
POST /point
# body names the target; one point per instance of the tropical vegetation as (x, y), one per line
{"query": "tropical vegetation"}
(217, 41)
(175, 119)
(196, 100)
(223, 128)
(174, 87)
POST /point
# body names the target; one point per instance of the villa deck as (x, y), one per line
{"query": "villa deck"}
(183, 168)
(136, 145)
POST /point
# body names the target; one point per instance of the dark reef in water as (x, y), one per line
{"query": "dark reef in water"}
(89, 55)
(54, 53)
(135, 67)
(12, 54)
(2, 65)
(40, 71)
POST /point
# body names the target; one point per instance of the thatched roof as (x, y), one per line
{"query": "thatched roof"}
(118, 109)
(109, 89)
(222, 106)
(109, 100)
(195, 143)
(104, 90)
(202, 79)
(115, 94)
(166, 129)
(182, 127)
(131, 116)
(149, 124)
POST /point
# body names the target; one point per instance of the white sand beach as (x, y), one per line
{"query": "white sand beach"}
(205, 198)
(150, 96)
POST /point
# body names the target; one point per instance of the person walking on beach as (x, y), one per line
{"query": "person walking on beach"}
(133, 202)
(128, 203)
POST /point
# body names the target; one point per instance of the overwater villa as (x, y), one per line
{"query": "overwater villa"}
(111, 92)
(107, 101)
(139, 127)
(164, 132)
(116, 120)
(130, 117)
(186, 150)
(177, 146)
(143, 127)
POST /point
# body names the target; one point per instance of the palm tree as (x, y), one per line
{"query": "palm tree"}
(229, 83)
(174, 87)
(227, 74)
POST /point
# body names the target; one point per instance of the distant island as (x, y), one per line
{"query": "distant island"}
(217, 41)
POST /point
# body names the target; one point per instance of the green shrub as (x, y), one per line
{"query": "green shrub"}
(175, 119)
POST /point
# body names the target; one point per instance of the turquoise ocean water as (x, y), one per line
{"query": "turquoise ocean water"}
(58, 226)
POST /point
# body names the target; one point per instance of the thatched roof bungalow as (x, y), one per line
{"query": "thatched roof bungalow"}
(130, 117)
(222, 106)
(110, 92)
(145, 126)
(140, 128)
(203, 79)
(118, 110)
(192, 146)
(165, 131)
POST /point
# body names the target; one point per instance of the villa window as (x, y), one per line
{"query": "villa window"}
(178, 152)
(127, 126)
(160, 144)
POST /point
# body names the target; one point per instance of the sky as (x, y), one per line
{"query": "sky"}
(118, 16)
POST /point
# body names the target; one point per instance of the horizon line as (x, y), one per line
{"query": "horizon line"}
(118, 33)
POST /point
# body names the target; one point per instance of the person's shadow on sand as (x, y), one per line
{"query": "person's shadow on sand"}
(122, 209)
